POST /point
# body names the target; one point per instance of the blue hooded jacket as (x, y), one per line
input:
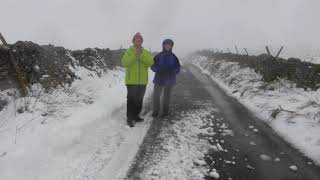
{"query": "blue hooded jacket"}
(166, 66)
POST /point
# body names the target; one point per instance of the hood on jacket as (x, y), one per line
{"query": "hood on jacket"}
(167, 41)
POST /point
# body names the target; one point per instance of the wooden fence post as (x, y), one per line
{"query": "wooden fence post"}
(246, 51)
(24, 90)
(279, 52)
(268, 51)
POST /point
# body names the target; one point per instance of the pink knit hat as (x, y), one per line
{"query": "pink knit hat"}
(137, 35)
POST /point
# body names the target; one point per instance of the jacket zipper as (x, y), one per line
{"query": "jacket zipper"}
(139, 69)
(129, 74)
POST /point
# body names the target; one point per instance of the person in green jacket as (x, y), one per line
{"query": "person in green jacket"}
(136, 61)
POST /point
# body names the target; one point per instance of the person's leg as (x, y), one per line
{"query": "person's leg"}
(166, 99)
(141, 90)
(156, 99)
(136, 98)
(130, 104)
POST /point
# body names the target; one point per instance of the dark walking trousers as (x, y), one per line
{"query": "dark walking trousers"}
(166, 98)
(135, 94)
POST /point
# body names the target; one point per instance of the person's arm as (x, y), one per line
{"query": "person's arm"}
(128, 58)
(177, 68)
(155, 66)
(146, 58)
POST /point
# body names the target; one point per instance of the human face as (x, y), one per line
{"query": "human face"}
(137, 42)
(167, 47)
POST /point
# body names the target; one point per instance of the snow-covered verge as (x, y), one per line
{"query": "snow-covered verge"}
(71, 132)
(292, 112)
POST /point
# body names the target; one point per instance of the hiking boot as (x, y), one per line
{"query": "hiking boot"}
(130, 123)
(155, 114)
(139, 119)
(164, 114)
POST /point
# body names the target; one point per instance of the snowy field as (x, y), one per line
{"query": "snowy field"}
(69, 133)
(292, 112)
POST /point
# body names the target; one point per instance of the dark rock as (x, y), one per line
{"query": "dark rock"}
(3, 103)
(20, 110)
(294, 60)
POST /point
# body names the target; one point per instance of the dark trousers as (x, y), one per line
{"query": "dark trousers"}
(135, 100)
(166, 98)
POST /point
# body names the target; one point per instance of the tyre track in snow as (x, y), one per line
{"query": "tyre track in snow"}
(109, 144)
(119, 162)
(253, 151)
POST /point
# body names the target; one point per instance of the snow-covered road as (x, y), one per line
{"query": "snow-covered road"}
(210, 135)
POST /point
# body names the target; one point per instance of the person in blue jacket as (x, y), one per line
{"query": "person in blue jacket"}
(166, 67)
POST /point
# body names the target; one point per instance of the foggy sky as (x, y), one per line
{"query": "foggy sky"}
(192, 24)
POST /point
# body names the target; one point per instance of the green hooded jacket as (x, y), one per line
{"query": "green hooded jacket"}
(137, 67)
